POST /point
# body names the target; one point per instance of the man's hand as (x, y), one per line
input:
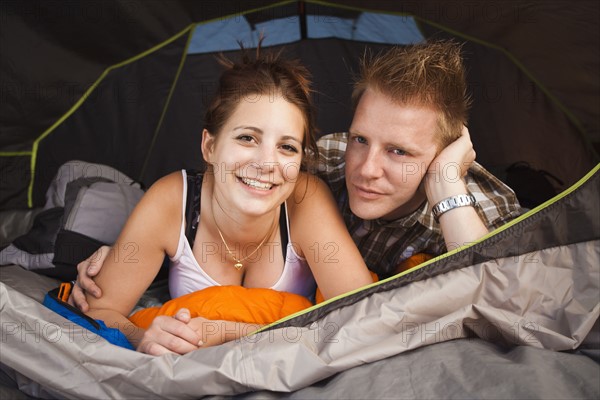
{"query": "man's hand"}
(462, 225)
(171, 335)
(86, 270)
(460, 151)
(445, 173)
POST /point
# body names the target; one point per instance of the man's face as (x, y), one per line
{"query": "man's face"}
(389, 150)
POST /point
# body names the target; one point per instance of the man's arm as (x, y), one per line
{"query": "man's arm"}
(86, 270)
(444, 179)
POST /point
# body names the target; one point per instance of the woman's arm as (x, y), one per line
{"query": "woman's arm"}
(134, 260)
(320, 235)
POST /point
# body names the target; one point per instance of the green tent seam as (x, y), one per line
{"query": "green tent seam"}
(451, 253)
(189, 30)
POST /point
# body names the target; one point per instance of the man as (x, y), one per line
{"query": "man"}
(405, 154)
(404, 176)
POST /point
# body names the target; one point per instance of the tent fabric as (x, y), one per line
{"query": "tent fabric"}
(524, 299)
(532, 61)
(227, 34)
(514, 315)
(468, 368)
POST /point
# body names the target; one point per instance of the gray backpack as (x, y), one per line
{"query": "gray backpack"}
(86, 207)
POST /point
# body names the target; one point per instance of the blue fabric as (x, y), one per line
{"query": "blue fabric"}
(368, 27)
(112, 335)
(225, 34)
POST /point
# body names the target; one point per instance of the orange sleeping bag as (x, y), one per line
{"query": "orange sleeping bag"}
(231, 303)
(413, 261)
(240, 304)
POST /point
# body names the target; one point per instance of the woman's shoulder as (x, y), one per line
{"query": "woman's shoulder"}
(167, 192)
(168, 183)
(154, 219)
(309, 190)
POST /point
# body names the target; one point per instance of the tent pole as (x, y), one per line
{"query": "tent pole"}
(302, 15)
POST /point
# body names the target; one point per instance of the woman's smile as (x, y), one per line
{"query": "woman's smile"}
(255, 184)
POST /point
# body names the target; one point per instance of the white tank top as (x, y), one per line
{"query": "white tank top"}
(187, 276)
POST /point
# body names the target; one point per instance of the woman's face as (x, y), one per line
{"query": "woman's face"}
(257, 154)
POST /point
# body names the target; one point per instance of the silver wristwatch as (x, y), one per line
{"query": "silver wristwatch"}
(460, 200)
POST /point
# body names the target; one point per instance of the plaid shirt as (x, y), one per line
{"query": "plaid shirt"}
(384, 244)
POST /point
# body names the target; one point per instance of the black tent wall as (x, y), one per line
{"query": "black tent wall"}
(52, 51)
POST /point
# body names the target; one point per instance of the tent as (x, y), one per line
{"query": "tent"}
(124, 84)
(515, 315)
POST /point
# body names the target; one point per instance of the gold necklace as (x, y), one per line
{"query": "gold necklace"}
(238, 261)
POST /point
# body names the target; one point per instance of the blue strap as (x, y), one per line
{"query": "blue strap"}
(98, 327)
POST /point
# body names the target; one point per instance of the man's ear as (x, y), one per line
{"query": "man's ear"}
(208, 145)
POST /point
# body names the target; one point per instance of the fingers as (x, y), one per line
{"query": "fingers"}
(461, 151)
(183, 315)
(84, 283)
(153, 348)
(465, 132)
(169, 335)
(464, 139)
(180, 330)
(83, 266)
(89, 268)
(96, 260)
(86, 270)
(77, 299)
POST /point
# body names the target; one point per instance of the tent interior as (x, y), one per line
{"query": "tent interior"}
(125, 84)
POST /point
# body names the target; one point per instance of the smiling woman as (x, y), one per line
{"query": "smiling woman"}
(251, 152)
(253, 218)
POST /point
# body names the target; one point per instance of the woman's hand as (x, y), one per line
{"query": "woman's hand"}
(170, 335)
(181, 334)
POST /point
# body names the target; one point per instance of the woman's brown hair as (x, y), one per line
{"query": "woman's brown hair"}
(265, 73)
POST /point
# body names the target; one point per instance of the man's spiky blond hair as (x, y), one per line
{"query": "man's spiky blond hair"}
(430, 74)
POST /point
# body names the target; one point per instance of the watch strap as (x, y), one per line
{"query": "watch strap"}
(450, 203)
